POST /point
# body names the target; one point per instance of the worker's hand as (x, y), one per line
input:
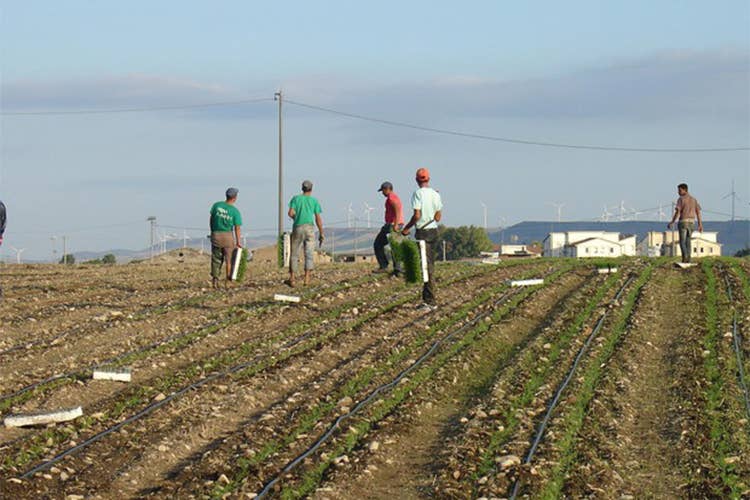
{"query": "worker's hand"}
(669, 225)
(239, 245)
(405, 232)
(700, 227)
(321, 239)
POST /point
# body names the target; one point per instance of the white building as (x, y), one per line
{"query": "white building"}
(657, 243)
(582, 244)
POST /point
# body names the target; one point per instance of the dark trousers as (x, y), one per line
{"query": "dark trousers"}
(380, 243)
(430, 237)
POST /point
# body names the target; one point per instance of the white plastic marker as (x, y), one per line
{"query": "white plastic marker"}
(531, 282)
(685, 265)
(491, 260)
(607, 270)
(236, 260)
(287, 249)
(286, 298)
(423, 258)
(43, 418)
(114, 374)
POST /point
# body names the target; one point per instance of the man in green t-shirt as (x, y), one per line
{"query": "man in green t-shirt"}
(225, 222)
(305, 210)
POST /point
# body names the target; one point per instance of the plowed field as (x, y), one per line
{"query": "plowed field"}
(624, 385)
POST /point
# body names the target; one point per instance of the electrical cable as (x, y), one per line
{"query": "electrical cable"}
(134, 110)
(515, 140)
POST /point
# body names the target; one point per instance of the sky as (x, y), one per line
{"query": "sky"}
(638, 74)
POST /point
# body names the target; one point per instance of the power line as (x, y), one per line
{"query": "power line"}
(134, 110)
(514, 140)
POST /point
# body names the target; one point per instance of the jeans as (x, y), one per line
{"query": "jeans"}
(380, 243)
(430, 237)
(302, 235)
(686, 229)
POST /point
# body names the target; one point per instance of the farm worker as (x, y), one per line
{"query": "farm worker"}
(305, 210)
(427, 206)
(394, 221)
(687, 210)
(225, 222)
(2, 229)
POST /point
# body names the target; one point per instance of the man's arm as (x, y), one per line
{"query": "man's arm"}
(319, 223)
(674, 217)
(291, 213)
(700, 219)
(397, 209)
(414, 218)
(438, 215)
(238, 236)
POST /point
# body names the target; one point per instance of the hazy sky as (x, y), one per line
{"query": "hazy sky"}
(668, 74)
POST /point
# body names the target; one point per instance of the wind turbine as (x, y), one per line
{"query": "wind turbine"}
(606, 214)
(18, 251)
(349, 212)
(559, 207)
(661, 212)
(368, 211)
(484, 210)
(734, 197)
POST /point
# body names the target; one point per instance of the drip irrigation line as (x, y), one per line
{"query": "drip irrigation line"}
(79, 374)
(737, 344)
(376, 392)
(526, 142)
(156, 405)
(542, 428)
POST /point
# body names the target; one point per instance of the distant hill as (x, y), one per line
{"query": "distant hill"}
(734, 236)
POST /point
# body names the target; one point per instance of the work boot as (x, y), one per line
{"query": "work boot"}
(380, 270)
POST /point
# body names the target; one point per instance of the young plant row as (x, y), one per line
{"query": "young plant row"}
(141, 395)
(573, 416)
(418, 375)
(720, 396)
(545, 366)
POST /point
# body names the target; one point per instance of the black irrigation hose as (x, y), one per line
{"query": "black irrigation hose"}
(737, 348)
(82, 373)
(155, 406)
(541, 430)
(377, 391)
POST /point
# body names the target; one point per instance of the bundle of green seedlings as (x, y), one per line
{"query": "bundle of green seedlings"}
(243, 264)
(406, 251)
(280, 250)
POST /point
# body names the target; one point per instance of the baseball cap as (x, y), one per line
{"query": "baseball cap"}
(306, 185)
(232, 192)
(423, 175)
(386, 185)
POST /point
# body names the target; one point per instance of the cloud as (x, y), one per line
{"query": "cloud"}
(676, 85)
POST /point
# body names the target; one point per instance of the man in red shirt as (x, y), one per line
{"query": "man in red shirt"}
(394, 220)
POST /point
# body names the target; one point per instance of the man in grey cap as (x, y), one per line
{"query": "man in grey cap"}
(305, 210)
(225, 222)
(394, 221)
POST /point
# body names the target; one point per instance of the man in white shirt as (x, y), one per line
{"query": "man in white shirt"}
(427, 206)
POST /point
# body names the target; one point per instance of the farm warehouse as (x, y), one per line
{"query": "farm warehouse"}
(229, 389)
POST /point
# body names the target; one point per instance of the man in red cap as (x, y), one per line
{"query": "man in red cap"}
(427, 206)
(394, 221)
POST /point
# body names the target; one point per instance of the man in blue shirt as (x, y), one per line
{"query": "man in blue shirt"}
(427, 205)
